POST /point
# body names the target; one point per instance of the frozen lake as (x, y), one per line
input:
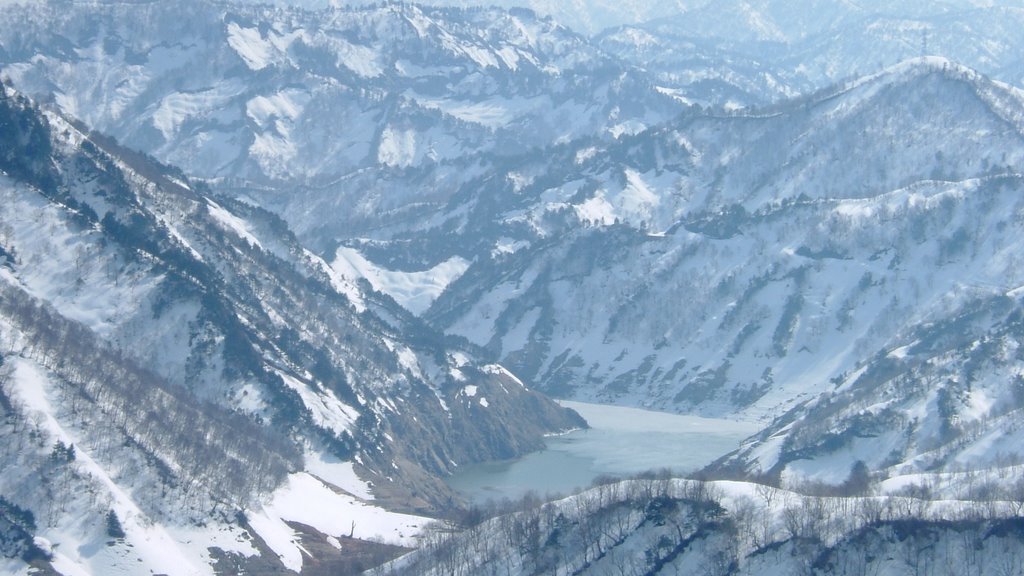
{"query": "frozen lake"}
(621, 441)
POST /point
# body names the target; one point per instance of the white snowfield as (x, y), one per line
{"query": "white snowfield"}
(415, 291)
(329, 497)
(313, 502)
(326, 409)
(232, 223)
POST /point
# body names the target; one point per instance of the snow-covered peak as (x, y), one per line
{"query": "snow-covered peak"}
(284, 95)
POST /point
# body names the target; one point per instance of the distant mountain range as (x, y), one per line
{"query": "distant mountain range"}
(389, 225)
(753, 53)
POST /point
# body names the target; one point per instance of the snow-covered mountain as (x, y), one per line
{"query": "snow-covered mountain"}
(714, 221)
(360, 112)
(373, 115)
(182, 359)
(396, 201)
(585, 16)
(756, 52)
(946, 394)
(590, 16)
(786, 253)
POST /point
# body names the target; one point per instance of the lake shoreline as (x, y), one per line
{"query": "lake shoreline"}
(621, 441)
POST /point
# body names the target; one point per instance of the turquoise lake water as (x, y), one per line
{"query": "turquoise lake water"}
(620, 442)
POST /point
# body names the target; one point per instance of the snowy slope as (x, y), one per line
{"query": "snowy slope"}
(199, 360)
(378, 116)
(775, 257)
(752, 264)
(330, 102)
(835, 264)
(667, 526)
(415, 291)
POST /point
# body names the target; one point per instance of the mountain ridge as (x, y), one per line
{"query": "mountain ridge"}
(168, 311)
(829, 253)
(722, 216)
